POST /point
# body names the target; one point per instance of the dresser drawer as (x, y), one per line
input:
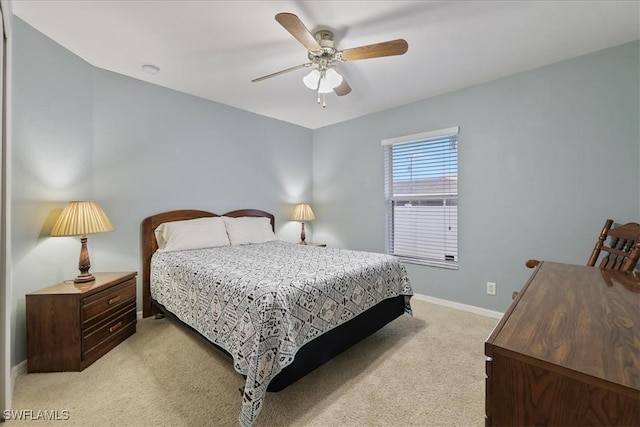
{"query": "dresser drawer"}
(101, 334)
(97, 307)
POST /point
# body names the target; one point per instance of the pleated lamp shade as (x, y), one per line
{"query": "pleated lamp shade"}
(81, 218)
(303, 213)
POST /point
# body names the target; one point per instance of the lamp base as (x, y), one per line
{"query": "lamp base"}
(302, 236)
(84, 278)
(84, 264)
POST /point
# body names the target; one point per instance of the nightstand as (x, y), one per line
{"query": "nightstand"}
(70, 326)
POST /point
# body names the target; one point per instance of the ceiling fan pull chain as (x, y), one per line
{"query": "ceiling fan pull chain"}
(324, 101)
(318, 87)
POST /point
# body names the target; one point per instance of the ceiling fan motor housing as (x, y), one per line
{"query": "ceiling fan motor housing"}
(327, 56)
(324, 38)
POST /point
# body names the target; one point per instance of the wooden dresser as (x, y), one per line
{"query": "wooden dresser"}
(567, 352)
(70, 326)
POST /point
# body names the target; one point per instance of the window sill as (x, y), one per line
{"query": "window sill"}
(429, 263)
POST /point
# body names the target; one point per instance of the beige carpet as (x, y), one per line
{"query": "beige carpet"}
(425, 370)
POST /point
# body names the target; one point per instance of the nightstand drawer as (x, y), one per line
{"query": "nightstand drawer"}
(96, 308)
(100, 332)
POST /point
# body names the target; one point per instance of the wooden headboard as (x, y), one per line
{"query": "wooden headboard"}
(150, 245)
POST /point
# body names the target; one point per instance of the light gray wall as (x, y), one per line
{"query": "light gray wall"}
(51, 162)
(136, 148)
(545, 157)
(156, 150)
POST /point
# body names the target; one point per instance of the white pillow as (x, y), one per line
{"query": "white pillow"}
(191, 234)
(247, 229)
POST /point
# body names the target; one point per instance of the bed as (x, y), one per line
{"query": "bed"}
(261, 303)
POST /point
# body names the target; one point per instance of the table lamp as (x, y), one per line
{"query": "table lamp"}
(302, 213)
(80, 219)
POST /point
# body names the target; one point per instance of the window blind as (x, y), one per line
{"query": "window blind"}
(421, 197)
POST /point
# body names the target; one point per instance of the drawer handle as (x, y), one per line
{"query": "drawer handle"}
(114, 327)
(114, 300)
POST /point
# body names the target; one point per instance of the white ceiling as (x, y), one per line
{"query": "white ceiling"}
(213, 49)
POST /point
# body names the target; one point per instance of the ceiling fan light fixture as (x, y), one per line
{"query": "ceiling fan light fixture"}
(325, 86)
(311, 79)
(323, 82)
(332, 79)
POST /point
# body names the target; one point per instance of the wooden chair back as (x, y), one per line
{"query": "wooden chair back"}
(620, 247)
(621, 250)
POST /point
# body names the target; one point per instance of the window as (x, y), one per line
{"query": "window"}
(421, 197)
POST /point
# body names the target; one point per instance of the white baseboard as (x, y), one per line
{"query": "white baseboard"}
(460, 306)
(19, 369)
(139, 315)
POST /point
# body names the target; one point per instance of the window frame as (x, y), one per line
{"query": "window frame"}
(424, 199)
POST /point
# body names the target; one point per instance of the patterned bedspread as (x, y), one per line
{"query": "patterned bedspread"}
(262, 302)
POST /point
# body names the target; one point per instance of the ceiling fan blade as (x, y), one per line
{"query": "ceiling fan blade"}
(343, 88)
(268, 76)
(390, 48)
(292, 23)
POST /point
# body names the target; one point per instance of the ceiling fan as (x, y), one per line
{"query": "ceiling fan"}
(323, 55)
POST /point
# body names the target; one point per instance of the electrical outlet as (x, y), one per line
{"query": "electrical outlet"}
(491, 288)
